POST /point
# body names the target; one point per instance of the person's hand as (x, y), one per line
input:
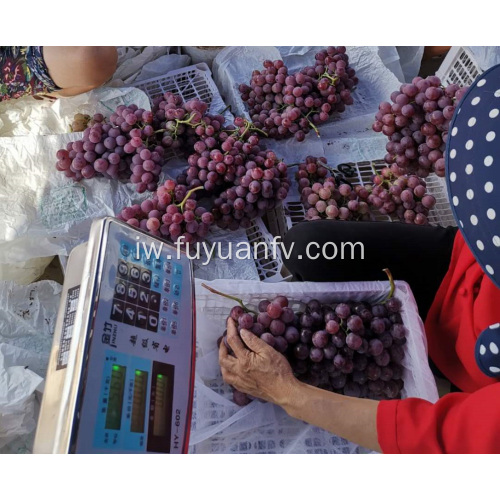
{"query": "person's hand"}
(256, 368)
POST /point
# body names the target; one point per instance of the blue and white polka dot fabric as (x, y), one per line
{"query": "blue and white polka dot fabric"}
(488, 351)
(473, 176)
(473, 170)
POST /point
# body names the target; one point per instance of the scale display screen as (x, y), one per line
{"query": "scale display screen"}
(160, 417)
(137, 391)
(115, 398)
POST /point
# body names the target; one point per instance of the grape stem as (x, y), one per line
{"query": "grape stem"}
(188, 194)
(228, 107)
(333, 81)
(391, 281)
(213, 290)
(311, 124)
(248, 126)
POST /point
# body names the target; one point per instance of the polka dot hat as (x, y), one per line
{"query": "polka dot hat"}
(473, 177)
(473, 170)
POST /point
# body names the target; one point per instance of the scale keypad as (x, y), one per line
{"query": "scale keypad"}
(134, 302)
(147, 292)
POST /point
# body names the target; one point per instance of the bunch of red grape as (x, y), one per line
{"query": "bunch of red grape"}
(115, 150)
(406, 197)
(219, 155)
(135, 143)
(353, 348)
(230, 164)
(284, 105)
(417, 123)
(326, 197)
(179, 123)
(171, 214)
(259, 184)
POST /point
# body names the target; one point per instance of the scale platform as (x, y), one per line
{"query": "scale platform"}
(121, 370)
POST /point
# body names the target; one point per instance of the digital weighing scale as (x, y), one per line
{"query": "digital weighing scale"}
(121, 370)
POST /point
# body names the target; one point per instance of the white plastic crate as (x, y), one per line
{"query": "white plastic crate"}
(281, 219)
(459, 66)
(220, 426)
(190, 82)
(269, 262)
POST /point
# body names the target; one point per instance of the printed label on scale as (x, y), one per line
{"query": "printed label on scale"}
(67, 329)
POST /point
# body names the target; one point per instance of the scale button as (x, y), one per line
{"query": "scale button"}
(177, 289)
(117, 309)
(120, 289)
(146, 260)
(141, 318)
(135, 274)
(122, 268)
(153, 321)
(175, 308)
(130, 314)
(144, 297)
(154, 301)
(177, 270)
(156, 281)
(173, 328)
(167, 267)
(146, 278)
(163, 324)
(166, 285)
(157, 263)
(164, 304)
(132, 294)
(125, 249)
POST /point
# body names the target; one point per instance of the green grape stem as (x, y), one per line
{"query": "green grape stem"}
(333, 81)
(188, 194)
(391, 281)
(311, 124)
(213, 290)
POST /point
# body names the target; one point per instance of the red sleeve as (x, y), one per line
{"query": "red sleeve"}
(457, 423)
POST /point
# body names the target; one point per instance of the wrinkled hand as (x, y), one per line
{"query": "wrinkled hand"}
(256, 368)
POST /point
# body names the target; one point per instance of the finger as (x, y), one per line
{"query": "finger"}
(253, 342)
(228, 376)
(225, 359)
(234, 339)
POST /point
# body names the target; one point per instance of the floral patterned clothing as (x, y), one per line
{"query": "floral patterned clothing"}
(23, 71)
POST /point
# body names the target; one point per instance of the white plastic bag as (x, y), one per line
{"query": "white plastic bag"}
(486, 57)
(42, 212)
(139, 63)
(219, 426)
(410, 58)
(17, 394)
(27, 321)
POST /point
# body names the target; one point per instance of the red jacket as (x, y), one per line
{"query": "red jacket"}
(467, 303)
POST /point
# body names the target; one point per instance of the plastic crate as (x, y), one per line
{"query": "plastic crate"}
(268, 259)
(190, 82)
(459, 66)
(281, 219)
(219, 426)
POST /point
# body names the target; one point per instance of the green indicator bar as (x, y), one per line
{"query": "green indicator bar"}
(139, 401)
(115, 397)
(160, 376)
